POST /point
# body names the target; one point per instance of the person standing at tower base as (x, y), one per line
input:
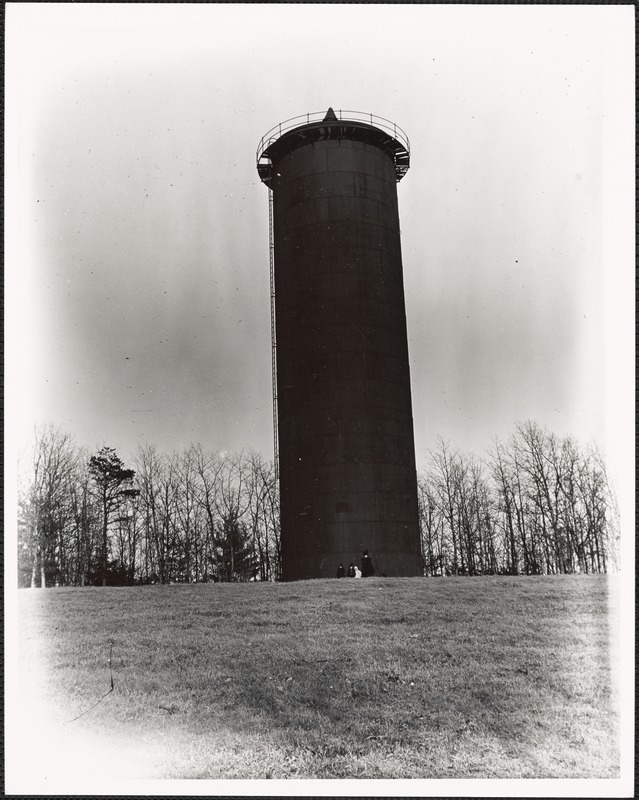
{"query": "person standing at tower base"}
(368, 570)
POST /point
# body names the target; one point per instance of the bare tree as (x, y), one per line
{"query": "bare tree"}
(600, 512)
(263, 517)
(431, 527)
(46, 515)
(504, 481)
(157, 480)
(191, 526)
(271, 517)
(85, 546)
(232, 502)
(445, 478)
(207, 467)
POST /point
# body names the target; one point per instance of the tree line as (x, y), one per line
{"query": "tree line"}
(534, 505)
(186, 517)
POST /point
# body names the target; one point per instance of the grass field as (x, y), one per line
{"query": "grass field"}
(380, 678)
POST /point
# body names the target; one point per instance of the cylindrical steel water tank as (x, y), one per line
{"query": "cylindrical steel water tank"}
(346, 445)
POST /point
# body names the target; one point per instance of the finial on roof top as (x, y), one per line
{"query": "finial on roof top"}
(330, 116)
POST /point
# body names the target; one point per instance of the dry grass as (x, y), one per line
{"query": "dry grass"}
(379, 678)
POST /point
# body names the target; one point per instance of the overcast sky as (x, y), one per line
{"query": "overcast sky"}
(137, 261)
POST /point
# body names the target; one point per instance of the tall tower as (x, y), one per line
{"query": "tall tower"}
(344, 431)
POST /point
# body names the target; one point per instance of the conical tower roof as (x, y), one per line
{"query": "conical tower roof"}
(330, 116)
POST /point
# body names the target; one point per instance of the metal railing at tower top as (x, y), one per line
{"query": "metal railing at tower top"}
(315, 117)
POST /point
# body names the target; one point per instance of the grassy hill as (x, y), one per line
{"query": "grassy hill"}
(380, 678)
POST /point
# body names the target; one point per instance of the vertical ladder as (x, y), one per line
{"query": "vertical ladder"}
(271, 249)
